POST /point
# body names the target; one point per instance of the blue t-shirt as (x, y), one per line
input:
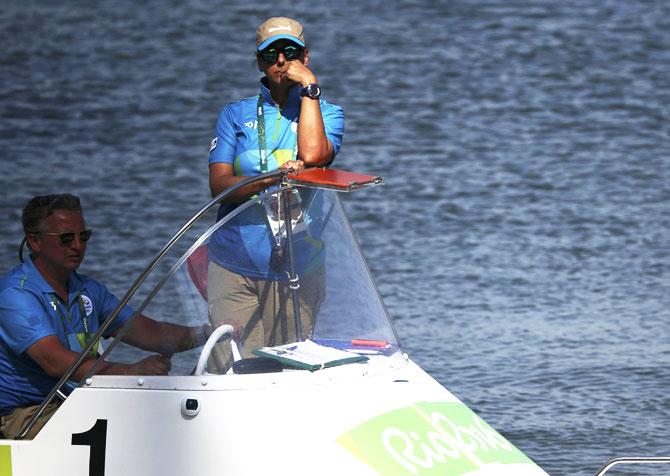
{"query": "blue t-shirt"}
(30, 310)
(245, 244)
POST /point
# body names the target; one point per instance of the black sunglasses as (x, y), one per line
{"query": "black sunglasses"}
(271, 54)
(68, 237)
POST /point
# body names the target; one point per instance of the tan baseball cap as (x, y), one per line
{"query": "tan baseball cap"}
(278, 28)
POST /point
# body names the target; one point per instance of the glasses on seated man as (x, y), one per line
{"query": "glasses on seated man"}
(68, 237)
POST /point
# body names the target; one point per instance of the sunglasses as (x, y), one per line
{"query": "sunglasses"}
(68, 237)
(271, 54)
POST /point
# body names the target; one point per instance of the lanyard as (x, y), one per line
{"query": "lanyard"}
(82, 313)
(262, 150)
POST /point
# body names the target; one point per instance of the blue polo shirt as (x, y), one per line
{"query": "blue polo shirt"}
(30, 310)
(244, 245)
(236, 140)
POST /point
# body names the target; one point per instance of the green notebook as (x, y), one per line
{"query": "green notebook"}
(309, 355)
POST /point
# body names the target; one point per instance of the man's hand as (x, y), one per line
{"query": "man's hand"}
(299, 73)
(296, 165)
(152, 365)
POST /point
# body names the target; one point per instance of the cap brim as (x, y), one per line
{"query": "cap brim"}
(272, 39)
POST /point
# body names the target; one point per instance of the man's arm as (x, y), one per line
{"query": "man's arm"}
(314, 148)
(55, 359)
(222, 176)
(164, 337)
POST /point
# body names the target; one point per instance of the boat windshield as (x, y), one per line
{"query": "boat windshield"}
(275, 281)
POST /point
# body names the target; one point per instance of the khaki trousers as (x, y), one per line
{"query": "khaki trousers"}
(262, 309)
(12, 423)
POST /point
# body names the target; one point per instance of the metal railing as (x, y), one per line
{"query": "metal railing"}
(633, 460)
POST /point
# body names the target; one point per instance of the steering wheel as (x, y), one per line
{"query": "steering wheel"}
(219, 332)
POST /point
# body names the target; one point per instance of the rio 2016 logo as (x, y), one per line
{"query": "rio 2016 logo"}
(443, 438)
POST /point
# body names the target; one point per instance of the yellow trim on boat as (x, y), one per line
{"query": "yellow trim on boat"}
(5, 460)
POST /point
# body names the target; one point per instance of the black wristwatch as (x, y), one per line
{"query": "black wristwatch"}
(312, 91)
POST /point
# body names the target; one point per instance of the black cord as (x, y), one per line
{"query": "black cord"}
(23, 242)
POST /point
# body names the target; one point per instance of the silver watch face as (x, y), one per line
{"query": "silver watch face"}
(313, 90)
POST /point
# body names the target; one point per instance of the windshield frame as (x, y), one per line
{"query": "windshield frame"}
(285, 184)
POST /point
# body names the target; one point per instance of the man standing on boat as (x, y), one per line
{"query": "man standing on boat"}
(49, 313)
(287, 125)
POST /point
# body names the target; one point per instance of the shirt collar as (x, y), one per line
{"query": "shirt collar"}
(35, 277)
(293, 95)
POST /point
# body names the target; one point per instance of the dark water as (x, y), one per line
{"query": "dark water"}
(521, 242)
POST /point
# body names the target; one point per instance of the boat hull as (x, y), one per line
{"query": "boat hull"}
(382, 417)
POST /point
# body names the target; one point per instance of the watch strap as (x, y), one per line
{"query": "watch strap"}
(312, 91)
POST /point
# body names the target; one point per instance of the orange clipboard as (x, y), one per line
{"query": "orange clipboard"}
(334, 179)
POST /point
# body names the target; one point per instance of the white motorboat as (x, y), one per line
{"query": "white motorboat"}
(366, 410)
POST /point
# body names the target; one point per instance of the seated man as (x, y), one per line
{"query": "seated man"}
(49, 313)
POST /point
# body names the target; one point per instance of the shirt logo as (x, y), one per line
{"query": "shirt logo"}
(212, 144)
(88, 305)
(250, 124)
